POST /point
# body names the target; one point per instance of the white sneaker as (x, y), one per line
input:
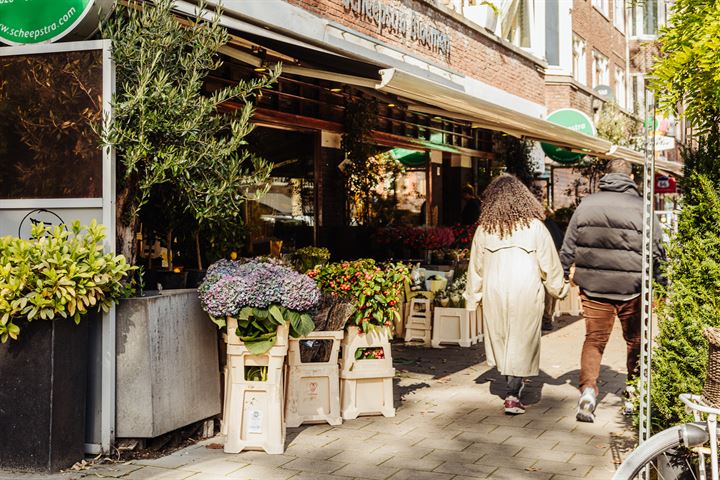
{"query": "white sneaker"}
(586, 406)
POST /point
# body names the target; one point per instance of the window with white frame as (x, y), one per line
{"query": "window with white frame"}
(619, 14)
(601, 5)
(620, 90)
(600, 74)
(646, 18)
(579, 64)
(516, 20)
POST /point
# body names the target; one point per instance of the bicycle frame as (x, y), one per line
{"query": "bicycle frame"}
(694, 404)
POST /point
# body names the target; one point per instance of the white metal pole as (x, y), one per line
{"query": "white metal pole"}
(647, 279)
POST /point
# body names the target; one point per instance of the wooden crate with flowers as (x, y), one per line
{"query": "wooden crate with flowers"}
(262, 303)
(366, 369)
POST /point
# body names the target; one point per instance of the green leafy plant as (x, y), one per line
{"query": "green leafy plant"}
(693, 273)
(377, 290)
(57, 273)
(307, 258)
(167, 129)
(686, 71)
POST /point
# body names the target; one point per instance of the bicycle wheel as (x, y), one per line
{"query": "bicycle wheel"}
(665, 455)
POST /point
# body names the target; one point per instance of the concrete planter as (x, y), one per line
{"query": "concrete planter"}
(167, 364)
(454, 326)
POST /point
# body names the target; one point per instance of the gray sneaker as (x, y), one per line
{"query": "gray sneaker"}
(586, 406)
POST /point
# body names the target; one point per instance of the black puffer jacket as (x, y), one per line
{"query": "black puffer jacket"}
(604, 239)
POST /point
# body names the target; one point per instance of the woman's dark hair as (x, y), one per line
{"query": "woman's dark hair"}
(507, 205)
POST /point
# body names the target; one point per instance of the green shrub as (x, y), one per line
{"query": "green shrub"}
(693, 268)
(57, 273)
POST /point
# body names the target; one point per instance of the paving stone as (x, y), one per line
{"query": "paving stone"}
(591, 460)
(493, 449)
(488, 437)
(468, 469)
(170, 461)
(362, 456)
(514, 474)
(310, 453)
(526, 442)
(155, 473)
(115, 470)
(586, 449)
(214, 466)
(426, 464)
(507, 420)
(260, 459)
(561, 468)
(518, 432)
(368, 471)
(445, 444)
(544, 454)
(418, 475)
(506, 462)
(310, 465)
(466, 456)
(259, 472)
(404, 451)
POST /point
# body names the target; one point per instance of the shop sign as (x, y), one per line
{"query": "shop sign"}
(39, 21)
(401, 22)
(39, 216)
(574, 120)
(663, 143)
(665, 184)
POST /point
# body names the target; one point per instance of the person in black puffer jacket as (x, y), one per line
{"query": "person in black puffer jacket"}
(604, 242)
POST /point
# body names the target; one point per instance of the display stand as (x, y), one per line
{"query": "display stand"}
(454, 326)
(419, 321)
(313, 394)
(366, 385)
(253, 416)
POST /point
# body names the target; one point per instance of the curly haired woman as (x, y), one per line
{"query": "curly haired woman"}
(513, 262)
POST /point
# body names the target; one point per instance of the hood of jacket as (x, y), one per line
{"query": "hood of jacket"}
(618, 182)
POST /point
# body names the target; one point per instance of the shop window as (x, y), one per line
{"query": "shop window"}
(619, 14)
(601, 5)
(620, 87)
(49, 104)
(579, 60)
(287, 212)
(600, 67)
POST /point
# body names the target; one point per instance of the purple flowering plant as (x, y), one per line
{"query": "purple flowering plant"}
(262, 296)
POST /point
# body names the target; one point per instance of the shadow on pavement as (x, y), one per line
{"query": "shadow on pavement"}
(438, 362)
(532, 393)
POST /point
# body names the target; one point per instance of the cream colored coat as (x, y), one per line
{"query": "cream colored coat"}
(509, 276)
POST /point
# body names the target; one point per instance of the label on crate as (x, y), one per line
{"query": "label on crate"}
(254, 419)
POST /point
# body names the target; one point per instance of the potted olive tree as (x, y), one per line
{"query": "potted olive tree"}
(174, 142)
(51, 286)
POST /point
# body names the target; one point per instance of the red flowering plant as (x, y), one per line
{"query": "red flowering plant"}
(463, 235)
(377, 290)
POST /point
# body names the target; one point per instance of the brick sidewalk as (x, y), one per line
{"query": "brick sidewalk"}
(449, 426)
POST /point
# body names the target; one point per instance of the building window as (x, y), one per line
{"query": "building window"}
(579, 60)
(516, 21)
(619, 14)
(552, 32)
(601, 5)
(645, 18)
(620, 91)
(600, 69)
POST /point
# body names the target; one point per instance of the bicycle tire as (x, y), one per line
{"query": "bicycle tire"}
(661, 446)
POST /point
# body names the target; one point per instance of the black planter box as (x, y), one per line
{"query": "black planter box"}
(43, 386)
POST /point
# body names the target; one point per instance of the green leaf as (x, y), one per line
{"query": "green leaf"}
(259, 347)
(276, 314)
